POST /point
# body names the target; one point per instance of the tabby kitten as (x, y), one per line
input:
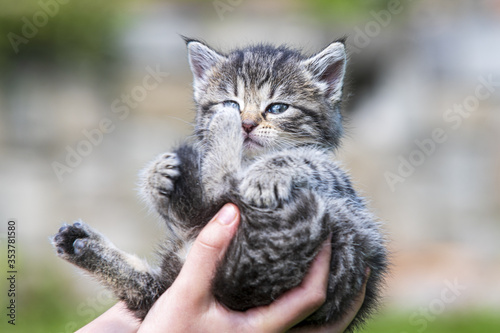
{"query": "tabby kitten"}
(268, 120)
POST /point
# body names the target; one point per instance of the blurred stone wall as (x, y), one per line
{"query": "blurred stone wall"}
(410, 66)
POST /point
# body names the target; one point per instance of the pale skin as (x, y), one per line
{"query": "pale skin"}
(189, 306)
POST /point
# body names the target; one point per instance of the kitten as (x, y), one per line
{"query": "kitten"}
(268, 120)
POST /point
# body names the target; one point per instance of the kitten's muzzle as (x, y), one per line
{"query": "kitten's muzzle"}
(250, 143)
(248, 126)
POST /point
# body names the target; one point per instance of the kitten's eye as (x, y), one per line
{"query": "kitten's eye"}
(232, 104)
(277, 108)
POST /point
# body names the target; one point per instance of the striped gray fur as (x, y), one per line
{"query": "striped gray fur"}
(268, 122)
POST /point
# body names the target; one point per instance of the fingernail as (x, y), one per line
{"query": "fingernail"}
(227, 214)
(368, 271)
(328, 241)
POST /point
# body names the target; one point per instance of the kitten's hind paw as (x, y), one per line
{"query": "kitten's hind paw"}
(73, 241)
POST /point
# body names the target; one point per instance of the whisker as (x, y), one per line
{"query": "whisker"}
(182, 120)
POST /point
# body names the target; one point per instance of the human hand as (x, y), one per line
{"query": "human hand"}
(189, 306)
(341, 325)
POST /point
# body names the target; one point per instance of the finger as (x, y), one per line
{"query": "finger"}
(345, 321)
(298, 303)
(116, 320)
(209, 247)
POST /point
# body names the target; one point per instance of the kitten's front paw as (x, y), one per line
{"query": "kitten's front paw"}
(225, 124)
(72, 241)
(160, 176)
(267, 190)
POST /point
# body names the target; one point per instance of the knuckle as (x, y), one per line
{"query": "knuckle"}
(210, 238)
(316, 297)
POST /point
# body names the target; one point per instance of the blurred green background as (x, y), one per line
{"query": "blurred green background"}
(415, 67)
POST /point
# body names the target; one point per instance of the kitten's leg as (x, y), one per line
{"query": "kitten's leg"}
(131, 278)
(222, 146)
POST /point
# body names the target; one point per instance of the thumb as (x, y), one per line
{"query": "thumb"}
(207, 250)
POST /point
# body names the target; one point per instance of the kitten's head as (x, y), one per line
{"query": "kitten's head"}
(285, 99)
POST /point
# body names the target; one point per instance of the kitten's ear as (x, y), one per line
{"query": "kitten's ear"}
(328, 67)
(201, 58)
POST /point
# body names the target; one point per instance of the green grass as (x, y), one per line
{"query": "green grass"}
(45, 301)
(52, 311)
(472, 321)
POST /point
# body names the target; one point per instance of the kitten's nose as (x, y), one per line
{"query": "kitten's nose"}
(248, 125)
